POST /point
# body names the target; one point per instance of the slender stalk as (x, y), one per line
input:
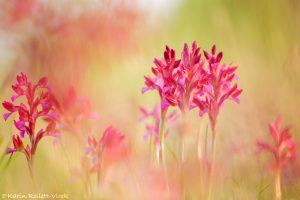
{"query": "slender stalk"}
(161, 146)
(100, 167)
(30, 166)
(151, 144)
(277, 182)
(182, 149)
(203, 161)
(199, 146)
(183, 129)
(184, 110)
(212, 169)
(87, 187)
(182, 135)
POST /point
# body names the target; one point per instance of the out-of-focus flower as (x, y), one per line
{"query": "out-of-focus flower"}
(109, 149)
(160, 188)
(152, 128)
(36, 102)
(283, 150)
(284, 147)
(101, 154)
(15, 11)
(73, 110)
(218, 88)
(61, 38)
(85, 171)
(112, 142)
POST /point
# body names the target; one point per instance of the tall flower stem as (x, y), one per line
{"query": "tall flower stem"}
(161, 146)
(200, 137)
(30, 166)
(182, 135)
(212, 169)
(151, 144)
(183, 130)
(199, 146)
(277, 182)
(87, 187)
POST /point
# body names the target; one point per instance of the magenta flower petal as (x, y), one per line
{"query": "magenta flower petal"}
(19, 124)
(14, 97)
(144, 89)
(201, 113)
(6, 116)
(22, 133)
(10, 150)
(236, 100)
(165, 104)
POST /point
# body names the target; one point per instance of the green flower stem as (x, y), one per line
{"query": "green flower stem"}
(212, 170)
(278, 182)
(161, 138)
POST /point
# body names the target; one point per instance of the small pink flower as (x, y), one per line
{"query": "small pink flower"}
(37, 104)
(109, 148)
(112, 142)
(152, 128)
(283, 148)
(101, 154)
(164, 81)
(218, 88)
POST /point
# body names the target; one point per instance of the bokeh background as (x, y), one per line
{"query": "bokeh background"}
(104, 48)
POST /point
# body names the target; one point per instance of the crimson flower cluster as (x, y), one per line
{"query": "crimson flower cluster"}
(163, 80)
(283, 148)
(35, 102)
(193, 81)
(177, 80)
(218, 87)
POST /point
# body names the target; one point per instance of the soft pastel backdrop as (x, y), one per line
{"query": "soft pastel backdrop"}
(104, 48)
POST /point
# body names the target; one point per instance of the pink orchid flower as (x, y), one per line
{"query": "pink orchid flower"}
(218, 88)
(190, 77)
(177, 81)
(37, 103)
(164, 83)
(163, 80)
